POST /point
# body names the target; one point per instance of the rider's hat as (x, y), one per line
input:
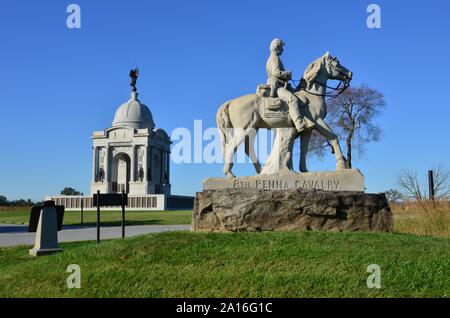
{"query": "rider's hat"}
(275, 44)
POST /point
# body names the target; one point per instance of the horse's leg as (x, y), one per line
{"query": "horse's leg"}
(250, 149)
(229, 154)
(304, 139)
(243, 117)
(323, 128)
(228, 166)
(238, 137)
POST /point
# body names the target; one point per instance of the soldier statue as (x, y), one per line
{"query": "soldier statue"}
(134, 75)
(278, 80)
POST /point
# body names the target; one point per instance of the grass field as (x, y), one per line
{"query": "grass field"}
(108, 218)
(415, 261)
(269, 264)
(427, 218)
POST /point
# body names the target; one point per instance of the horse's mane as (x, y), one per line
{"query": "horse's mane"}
(310, 74)
(312, 70)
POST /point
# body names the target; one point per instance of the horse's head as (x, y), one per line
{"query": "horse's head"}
(327, 67)
(336, 70)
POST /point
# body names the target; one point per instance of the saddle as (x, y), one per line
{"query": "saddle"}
(272, 107)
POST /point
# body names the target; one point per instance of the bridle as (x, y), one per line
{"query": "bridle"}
(327, 94)
(331, 94)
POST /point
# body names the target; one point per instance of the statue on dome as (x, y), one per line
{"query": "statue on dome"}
(134, 75)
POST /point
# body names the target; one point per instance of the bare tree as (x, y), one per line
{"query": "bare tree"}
(351, 115)
(441, 181)
(408, 181)
(393, 195)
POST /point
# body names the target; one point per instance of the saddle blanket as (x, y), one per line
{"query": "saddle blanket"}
(272, 107)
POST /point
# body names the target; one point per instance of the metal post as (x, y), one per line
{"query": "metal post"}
(123, 213)
(82, 208)
(98, 216)
(431, 184)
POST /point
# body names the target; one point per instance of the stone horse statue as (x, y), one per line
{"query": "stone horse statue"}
(240, 118)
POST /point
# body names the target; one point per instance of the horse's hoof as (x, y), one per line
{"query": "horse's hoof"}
(230, 175)
(303, 168)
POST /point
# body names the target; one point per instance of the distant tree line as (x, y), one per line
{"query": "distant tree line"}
(28, 202)
(20, 202)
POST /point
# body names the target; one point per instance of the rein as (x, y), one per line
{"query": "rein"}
(327, 94)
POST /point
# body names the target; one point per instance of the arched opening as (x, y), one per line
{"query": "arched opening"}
(120, 176)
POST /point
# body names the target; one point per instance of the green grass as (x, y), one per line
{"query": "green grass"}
(108, 218)
(268, 264)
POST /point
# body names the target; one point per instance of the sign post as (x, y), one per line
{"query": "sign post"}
(110, 199)
(123, 213)
(82, 208)
(431, 184)
(98, 216)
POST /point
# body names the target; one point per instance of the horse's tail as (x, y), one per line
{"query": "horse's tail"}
(223, 123)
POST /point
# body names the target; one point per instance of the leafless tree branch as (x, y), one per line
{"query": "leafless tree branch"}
(408, 181)
(351, 115)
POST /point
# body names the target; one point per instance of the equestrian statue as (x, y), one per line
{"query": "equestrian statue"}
(291, 112)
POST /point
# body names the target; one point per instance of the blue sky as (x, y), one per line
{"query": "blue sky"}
(59, 85)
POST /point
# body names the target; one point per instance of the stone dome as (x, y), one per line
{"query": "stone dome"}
(133, 114)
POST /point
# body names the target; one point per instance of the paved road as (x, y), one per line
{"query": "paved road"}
(12, 235)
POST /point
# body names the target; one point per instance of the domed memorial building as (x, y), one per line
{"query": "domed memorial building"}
(132, 156)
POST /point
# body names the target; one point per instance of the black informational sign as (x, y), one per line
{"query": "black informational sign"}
(36, 213)
(110, 199)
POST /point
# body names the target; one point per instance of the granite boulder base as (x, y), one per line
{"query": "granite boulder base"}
(250, 209)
